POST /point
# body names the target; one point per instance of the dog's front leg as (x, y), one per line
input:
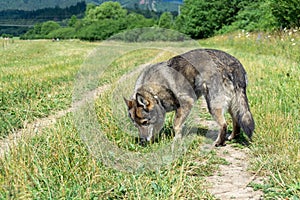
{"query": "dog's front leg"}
(182, 113)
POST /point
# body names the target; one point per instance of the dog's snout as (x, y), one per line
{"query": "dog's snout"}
(143, 141)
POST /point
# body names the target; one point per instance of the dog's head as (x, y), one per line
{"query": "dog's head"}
(147, 114)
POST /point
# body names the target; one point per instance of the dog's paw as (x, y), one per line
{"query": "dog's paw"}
(219, 143)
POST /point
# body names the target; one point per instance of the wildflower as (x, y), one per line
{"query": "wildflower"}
(290, 33)
(294, 44)
(292, 40)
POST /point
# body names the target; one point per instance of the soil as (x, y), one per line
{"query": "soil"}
(232, 181)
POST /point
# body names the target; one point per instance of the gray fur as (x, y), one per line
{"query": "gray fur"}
(177, 83)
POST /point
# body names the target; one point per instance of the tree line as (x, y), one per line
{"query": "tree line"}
(197, 18)
(13, 22)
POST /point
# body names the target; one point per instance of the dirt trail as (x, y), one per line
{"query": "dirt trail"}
(36, 127)
(232, 180)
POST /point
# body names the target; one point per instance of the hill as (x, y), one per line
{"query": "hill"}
(29, 5)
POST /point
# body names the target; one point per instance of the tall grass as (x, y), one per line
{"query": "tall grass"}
(36, 79)
(56, 164)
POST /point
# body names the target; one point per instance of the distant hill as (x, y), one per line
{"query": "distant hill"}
(29, 5)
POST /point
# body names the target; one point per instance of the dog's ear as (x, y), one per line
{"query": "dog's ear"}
(144, 102)
(141, 100)
(129, 103)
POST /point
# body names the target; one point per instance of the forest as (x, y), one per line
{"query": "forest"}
(197, 19)
(17, 22)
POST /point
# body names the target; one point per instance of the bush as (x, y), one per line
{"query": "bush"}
(254, 16)
(286, 12)
(101, 30)
(149, 35)
(63, 33)
(201, 19)
(49, 26)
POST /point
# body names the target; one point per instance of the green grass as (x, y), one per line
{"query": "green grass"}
(37, 78)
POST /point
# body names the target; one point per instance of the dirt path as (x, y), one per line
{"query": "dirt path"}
(232, 181)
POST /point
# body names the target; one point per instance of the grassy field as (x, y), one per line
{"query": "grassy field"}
(37, 79)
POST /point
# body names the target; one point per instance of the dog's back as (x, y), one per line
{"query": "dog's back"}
(177, 83)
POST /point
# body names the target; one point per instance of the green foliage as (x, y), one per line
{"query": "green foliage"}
(201, 19)
(198, 19)
(73, 21)
(49, 26)
(286, 12)
(6, 35)
(63, 33)
(253, 16)
(107, 10)
(166, 20)
(36, 4)
(100, 23)
(100, 30)
(134, 20)
(150, 35)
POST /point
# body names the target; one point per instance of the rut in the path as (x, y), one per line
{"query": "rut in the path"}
(38, 125)
(232, 181)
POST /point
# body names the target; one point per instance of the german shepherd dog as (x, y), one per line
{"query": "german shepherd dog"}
(176, 84)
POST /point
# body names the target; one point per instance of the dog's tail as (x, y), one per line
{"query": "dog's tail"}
(241, 111)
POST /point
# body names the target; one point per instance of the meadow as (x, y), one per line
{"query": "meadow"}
(37, 79)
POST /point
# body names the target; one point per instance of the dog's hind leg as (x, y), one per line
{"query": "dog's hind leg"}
(236, 127)
(218, 115)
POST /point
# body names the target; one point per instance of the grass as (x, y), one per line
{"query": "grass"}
(37, 79)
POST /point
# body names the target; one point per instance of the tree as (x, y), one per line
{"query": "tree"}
(101, 30)
(286, 12)
(166, 20)
(201, 18)
(49, 26)
(107, 10)
(72, 22)
(135, 20)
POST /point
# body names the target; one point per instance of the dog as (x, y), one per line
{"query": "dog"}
(176, 84)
